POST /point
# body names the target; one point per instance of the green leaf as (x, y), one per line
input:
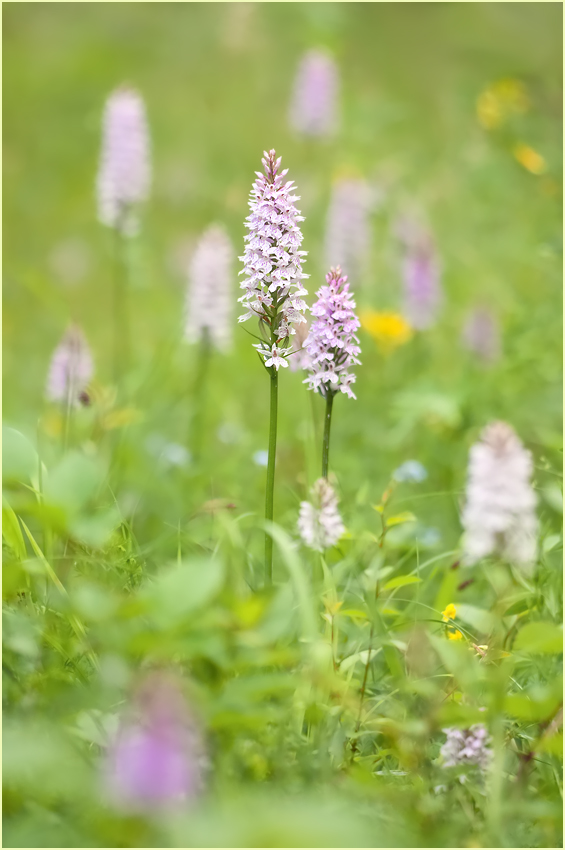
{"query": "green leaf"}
(11, 531)
(358, 657)
(183, 588)
(525, 708)
(19, 458)
(478, 618)
(73, 482)
(406, 516)
(97, 529)
(299, 579)
(401, 581)
(539, 637)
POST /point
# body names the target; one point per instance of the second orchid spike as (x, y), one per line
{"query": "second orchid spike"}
(332, 344)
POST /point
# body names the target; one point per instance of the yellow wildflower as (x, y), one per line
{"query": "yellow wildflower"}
(530, 159)
(389, 330)
(489, 112)
(456, 635)
(449, 613)
(501, 100)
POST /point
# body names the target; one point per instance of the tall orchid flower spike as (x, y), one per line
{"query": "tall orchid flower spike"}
(273, 290)
(124, 174)
(314, 106)
(208, 316)
(332, 347)
(123, 183)
(499, 514)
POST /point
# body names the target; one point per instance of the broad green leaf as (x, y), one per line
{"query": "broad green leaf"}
(401, 581)
(183, 588)
(525, 708)
(298, 577)
(95, 530)
(539, 637)
(19, 458)
(358, 657)
(477, 618)
(406, 516)
(73, 482)
(11, 531)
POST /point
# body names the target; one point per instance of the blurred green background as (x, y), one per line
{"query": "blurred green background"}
(217, 80)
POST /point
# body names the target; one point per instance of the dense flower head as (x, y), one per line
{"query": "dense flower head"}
(314, 106)
(124, 173)
(481, 335)
(273, 262)
(156, 757)
(421, 275)
(71, 368)
(319, 521)
(499, 514)
(348, 233)
(467, 746)
(208, 297)
(332, 344)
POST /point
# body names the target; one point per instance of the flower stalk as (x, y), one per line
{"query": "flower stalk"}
(326, 440)
(273, 291)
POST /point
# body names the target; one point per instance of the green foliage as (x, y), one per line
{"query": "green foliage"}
(323, 697)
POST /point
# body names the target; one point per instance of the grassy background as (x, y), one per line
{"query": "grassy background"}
(217, 80)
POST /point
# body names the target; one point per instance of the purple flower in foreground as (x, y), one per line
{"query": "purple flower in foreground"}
(319, 522)
(348, 234)
(467, 746)
(481, 335)
(499, 514)
(71, 368)
(421, 277)
(332, 344)
(273, 262)
(155, 760)
(313, 110)
(124, 174)
(208, 301)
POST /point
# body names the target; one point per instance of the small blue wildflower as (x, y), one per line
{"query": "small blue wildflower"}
(410, 471)
(261, 458)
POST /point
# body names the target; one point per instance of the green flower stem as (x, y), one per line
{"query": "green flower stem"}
(269, 495)
(327, 426)
(121, 317)
(199, 395)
